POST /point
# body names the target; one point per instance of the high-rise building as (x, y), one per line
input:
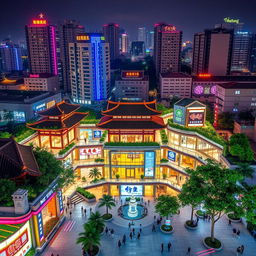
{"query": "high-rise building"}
(41, 44)
(167, 48)
(252, 64)
(150, 40)
(213, 51)
(142, 34)
(124, 43)
(67, 34)
(10, 58)
(89, 68)
(111, 34)
(138, 49)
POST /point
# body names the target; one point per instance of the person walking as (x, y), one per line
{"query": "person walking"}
(234, 231)
(85, 212)
(148, 202)
(129, 225)
(238, 251)
(112, 233)
(229, 222)
(140, 230)
(124, 239)
(106, 230)
(153, 228)
(133, 231)
(119, 244)
(70, 214)
(169, 246)
(138, 236)
(162, 248)
(238, 233)
(189, 251)
(131, 235)
(82, 210)
(90, 209)
(154, 218)
(242, 249)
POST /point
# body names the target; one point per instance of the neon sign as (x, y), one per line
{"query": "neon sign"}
(169, 28)
(39, 22)
(229, 20)
(82, 38)
(90, 151)
(34, 75)
(204, 75)
(132, 74)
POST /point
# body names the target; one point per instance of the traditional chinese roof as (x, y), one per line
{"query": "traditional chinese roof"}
(51, 124)
(61, 108)
(16, 160)
(154, 122)
(131, 109)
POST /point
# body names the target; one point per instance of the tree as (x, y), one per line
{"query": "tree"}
(94, 173)
(226, 120)
(219, 189)
(192, 192)
(7, 188)
(97, 221)
(167, 205)
(249, 203)
(245, 169)
(89, 238)
(107, 201)
(240, 147)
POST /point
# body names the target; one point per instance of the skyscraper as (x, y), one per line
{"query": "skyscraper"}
(124, 43)
(10, 57)
(252, 64)
(89, 68)
(67, 34)
(41, 44)
(111, 34)
(167, 48)
(142, 34)
(138, 49)
(150, 40)
(213, 51)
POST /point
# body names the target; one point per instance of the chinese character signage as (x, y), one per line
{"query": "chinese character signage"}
(149, 164)
(15, 247)
(179, 115)
(90, 151)
(129, 190)
(96, 134)
(40, 226)
(171, 155)
(195, 118)
(60, 200)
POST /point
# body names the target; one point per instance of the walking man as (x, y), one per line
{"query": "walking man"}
(70, 213)
(124, 239)
(85, 212)
(162, 248)
(234, 231)
(238, 251)
(119, 244)
(169, 246)
(133, 231)
(106, 230)
(242, 249)
(138, 236)
(131, 235)
(238, 233)
(189, 251)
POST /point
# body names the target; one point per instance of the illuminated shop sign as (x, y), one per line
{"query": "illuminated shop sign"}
(34, 76)
(128, 190)
(149, 164)
(15, 247)
(40, 107)
(39, 22)
(205, 75)
(132, 74)
(47, 196)
(169, 28)
(179, 115)
(97, 134)
(19, 116)
(90, 151)
(207, 90)
(229, 20)
(171, 155)
(40, 226)
(82, 38)
(196, 118)
(60, 200)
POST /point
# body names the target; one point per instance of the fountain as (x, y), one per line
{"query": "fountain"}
(132, 211)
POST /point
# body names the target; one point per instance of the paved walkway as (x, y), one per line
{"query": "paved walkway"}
(64, 242)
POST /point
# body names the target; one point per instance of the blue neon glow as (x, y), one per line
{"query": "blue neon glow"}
(17, 58)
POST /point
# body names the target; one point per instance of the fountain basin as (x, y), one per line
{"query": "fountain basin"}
(123, 212)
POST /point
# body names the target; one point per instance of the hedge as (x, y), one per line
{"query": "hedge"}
(85, 193)
(66, 149)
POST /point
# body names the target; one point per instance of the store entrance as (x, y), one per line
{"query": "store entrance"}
(130, 172)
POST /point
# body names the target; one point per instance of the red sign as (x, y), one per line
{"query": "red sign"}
(132, 74)
(204, 75)
(16, 245)
(90, 151)
(196, 118)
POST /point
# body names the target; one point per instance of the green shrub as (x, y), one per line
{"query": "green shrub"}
(85, 193)
(66, 149)
(164, 137)
(99, 160)
(103, 137)
(164, 160)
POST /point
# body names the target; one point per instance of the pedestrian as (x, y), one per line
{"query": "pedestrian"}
(169, 246)
(154, 217)
(70, 213)
(133, 231)
(234, 231)
(242, 249)
(106, 230)
(162, 248)
(84, 211)
(112, 233)
(119, 244)
(124, 239)
(188, 251)
(153, 228)
(66, 210)
(238, 233)
(197, 218)
(140, 230)
(138, 236)
(238, 251)
(90, 209)
(131, 235)
(148, 202)
(229, 222)
(121, 202)
(129, 225)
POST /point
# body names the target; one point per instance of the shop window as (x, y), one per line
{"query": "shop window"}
(71, 135)
(148, 138)
(114, 138)
(56, 141)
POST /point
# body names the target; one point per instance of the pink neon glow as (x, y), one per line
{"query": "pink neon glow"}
(209, 252)
(54, 51)
(205, 250)
(34, 75)
(18, 220)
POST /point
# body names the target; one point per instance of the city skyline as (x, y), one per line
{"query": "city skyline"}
(186, 16)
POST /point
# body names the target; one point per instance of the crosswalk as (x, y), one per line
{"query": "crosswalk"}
(69, 225)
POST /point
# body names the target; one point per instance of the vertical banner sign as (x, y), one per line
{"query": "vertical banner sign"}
(149, 164)
(171, 155)
(60, 201)
(40, 226)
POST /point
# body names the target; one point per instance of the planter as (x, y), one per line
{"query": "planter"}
(207, 243)
(189, 226)
(165, 231)
(232, 218)
(92, 200)
(96, 251)
(199, 214)
(107, 218)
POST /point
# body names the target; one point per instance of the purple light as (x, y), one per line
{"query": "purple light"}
(213, 89)
(54, 51)
(199, 90)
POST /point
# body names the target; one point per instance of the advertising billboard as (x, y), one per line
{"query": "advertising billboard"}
(195, 118)
(149, 164)
(129, 190)
(60, 200)
(97, 134)
(90, 151)
(179, 116)
(171, 155)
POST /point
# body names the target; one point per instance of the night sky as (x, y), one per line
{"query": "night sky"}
(190, 16)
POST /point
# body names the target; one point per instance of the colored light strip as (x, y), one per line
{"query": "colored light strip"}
(16, 58)
(28, 215)
(55, 66)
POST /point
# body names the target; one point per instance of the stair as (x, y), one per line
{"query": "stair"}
(76, 199)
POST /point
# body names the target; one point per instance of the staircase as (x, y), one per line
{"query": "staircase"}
(76, 199)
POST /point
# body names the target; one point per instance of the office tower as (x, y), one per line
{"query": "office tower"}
(89, 68)
(252, 64)
(138, 49)
(67, 34)
(213, 51)
(150, 40)
(10, 57)
(41, 44)
(142, 34)
(111, 34)
(167, 48)
(124, 43)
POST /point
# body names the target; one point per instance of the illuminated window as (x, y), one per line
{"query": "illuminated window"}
(237, 92)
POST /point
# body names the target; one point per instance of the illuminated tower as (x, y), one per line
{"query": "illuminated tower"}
(124, 43)
(167, 48)
(111, 34)
(41, 44)
(142, 34)
(89, 69)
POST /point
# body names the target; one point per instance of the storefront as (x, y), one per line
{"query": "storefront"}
(87, 135)
(90, 152)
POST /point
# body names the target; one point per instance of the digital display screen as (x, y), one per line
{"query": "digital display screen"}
(149, 164)
(129, 190)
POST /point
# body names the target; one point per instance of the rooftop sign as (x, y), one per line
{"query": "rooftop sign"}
(229, 20)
